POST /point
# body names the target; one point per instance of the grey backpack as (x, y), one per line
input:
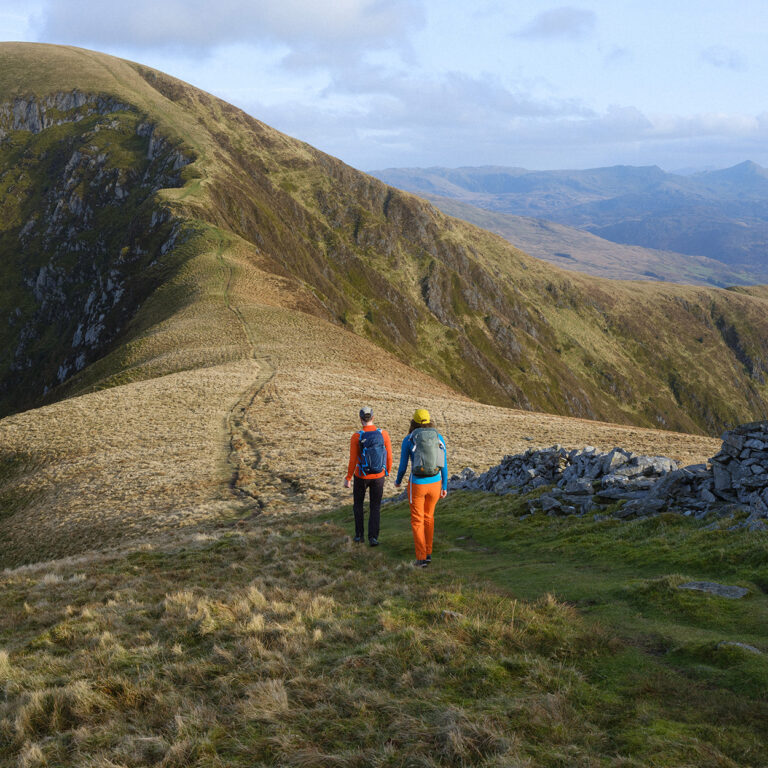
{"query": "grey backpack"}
(427, 453)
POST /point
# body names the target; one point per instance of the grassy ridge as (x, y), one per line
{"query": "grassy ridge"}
(280, 642)
(450, 299)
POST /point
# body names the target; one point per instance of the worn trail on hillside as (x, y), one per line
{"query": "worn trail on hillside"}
(255, 421)
(244, 453)
(290, 430)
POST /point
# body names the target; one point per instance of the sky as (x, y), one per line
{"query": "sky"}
(406, 83)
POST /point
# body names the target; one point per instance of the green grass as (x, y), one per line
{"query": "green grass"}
(609, 568)
(530, 642)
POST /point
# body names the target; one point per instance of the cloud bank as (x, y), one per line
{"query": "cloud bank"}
(201, 25)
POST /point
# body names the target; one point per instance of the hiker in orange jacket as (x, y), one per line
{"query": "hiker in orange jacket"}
(370, 461)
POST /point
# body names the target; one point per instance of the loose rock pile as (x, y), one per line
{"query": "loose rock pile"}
(585, 480)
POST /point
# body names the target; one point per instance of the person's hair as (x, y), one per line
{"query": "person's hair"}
(416, 425)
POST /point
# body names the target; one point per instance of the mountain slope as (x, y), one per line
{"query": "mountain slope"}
(454, 301)
(721, 215)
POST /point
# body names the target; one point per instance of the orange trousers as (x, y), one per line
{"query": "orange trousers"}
(423, 499)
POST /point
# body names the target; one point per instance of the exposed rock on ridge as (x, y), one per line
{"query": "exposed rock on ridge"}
(36, 114)
(585, 480)
(81, 230)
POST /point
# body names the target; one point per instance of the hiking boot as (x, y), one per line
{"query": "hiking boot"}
(428, 560)
(373, 542)
(358, 539)
(420, 563)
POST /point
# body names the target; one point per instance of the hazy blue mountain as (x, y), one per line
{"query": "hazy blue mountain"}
(580, 251)
(722, 214)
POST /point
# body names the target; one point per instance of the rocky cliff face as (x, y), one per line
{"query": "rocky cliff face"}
(81, 235)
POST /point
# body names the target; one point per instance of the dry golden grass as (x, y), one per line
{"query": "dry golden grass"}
(123, 462)
(246, 664)
(150, 458)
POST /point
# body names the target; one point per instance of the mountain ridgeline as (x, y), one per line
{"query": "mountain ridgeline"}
(114, 176)
(578, 250)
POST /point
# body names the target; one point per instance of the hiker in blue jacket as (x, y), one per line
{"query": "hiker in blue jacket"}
(425, 448)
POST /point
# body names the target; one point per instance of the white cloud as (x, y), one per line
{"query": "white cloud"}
(426, 126)
(565, 22)
(708, 124)
(452, 97)
(201, 25)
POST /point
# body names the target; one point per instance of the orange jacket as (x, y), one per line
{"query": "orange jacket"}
(354, 454)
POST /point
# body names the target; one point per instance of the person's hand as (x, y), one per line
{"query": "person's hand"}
(443, 493)
(346, 482)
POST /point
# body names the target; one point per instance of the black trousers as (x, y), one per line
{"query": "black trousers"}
(359, 487)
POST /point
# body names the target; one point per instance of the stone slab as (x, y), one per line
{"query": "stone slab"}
(722, 590)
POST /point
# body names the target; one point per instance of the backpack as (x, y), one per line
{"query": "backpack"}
(427, 452)
(373, 452)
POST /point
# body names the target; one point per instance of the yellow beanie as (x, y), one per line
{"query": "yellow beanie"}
(421, 416)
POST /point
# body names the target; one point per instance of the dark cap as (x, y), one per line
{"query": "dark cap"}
(366, 413)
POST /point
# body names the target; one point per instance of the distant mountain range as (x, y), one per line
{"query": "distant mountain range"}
(721, 215)
(580, 251)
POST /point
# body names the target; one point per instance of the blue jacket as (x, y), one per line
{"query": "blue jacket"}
(405, 455)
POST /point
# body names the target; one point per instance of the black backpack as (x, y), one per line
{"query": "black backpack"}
(373, 452)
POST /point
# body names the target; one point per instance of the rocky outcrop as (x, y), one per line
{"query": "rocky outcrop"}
(36, 114)
(586, 480)
(721, 590)
(82, 234)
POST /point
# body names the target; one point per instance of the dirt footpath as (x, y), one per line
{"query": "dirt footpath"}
(303, 418)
